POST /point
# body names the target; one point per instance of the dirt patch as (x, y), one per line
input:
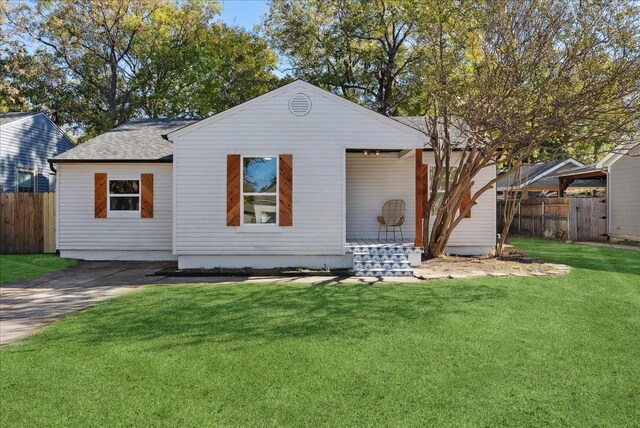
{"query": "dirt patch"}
(466, 267)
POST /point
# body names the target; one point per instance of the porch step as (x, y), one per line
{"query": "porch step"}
(384, 259)
(383, 272)
(385, 265)
(360, 257)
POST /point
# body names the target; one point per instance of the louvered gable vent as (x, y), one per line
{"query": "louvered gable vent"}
(300, 105)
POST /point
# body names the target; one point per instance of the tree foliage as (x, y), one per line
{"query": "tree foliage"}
(499, 82)
(533, 72)
(115, 59)
(364, 51)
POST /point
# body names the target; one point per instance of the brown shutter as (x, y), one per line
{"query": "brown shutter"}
(233, 190)
(466, 201)
(100, 195)
(285, 190)
(146, 203)
(421, 197)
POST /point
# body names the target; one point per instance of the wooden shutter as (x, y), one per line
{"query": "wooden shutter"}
(466, 201)
(233, 190)
(146, 196)
(285, 190)
(421, 196)
(100, 195)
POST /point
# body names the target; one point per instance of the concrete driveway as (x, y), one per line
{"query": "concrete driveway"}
(27, 305)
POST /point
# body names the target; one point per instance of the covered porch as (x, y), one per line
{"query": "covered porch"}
(374, 177)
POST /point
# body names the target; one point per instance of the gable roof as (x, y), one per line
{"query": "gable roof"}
(536, 173)
(136, 140)
(7, 119)
(599, 169)
(631, 147)
(302, 85)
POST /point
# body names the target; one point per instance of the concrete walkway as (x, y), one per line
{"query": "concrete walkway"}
(28, 305)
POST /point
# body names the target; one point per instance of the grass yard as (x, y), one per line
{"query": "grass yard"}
(488, 351)
(21, 266)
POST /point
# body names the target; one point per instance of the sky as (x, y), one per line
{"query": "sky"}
(243, 13)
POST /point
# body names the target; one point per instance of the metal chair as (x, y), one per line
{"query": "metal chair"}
(392, 217)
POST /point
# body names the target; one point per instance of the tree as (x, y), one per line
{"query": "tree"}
(516, 76)
(124, 58)
(363, 50)
(225, 66)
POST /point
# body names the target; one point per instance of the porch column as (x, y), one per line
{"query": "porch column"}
(421, 180)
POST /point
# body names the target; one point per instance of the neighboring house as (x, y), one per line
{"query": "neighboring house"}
(621, 171)
(27, 141)
(540, 180)
(295, 177)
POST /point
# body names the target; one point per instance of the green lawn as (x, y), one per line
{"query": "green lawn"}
(20, 266)
(489, 351)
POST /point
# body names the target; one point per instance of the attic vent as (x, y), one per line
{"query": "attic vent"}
(300, 105)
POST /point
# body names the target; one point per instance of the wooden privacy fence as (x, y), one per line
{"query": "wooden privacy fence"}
(28, 223)
(573, 219)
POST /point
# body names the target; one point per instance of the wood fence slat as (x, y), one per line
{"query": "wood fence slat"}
(576, 219)
(27, 222)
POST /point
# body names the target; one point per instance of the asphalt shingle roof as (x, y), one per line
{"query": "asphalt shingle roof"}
(136, 140)
(7, 118)
(528, 172)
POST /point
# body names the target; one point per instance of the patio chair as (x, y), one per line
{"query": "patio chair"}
(392, 217)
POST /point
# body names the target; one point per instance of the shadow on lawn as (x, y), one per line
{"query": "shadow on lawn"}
(582, 256)
(243, 315)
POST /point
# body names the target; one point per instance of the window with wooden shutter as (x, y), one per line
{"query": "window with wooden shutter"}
(146, 203)
(100, 195)
(233, 190)
(466, 201)
(285, 190)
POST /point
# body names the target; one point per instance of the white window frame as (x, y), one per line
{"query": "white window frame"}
(119, 213)
(32, 171)
(276, 193)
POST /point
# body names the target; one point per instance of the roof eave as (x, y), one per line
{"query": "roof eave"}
(162, 160)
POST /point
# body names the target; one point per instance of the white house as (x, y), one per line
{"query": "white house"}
(293, 178)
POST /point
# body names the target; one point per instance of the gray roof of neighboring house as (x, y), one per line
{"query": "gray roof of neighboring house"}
(136, 140)
(530, 172)
(7, 118)
(421, 124)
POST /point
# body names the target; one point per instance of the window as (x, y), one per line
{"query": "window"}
(26, 180)
(259, 190)
(124, 195)
(441, 186)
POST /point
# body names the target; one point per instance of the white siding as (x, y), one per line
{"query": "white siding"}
(370, 182)
(624, 198)
(78, 229)
(480, 229)
(373, 180)
(265, 127)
